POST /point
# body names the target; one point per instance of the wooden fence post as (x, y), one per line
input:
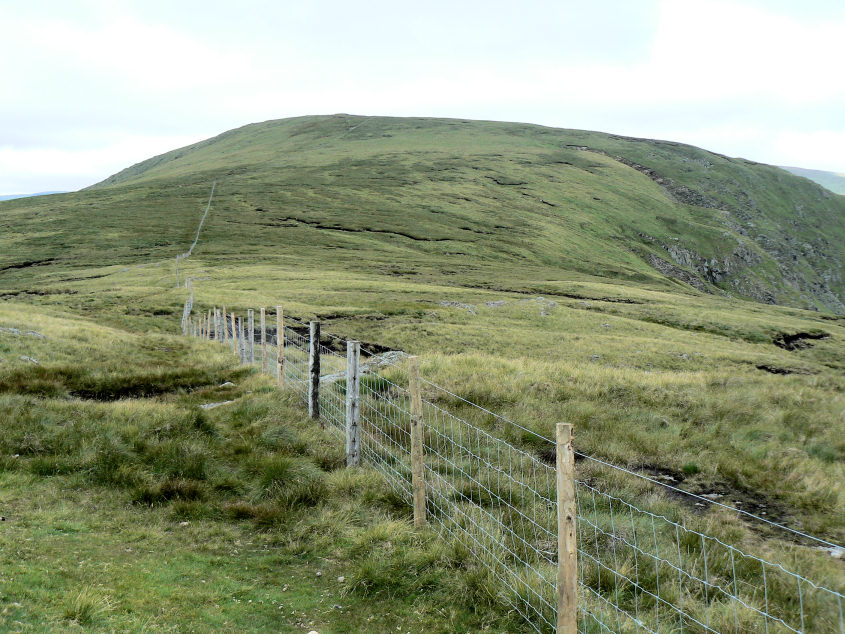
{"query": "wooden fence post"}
(225, 327)
(208, 325)
(251, 336)
(242, 342)
(417, 468)
(280, 344)
(234, 333)
(263, 341)
(314, 370)
(353, 403)
(567, 550)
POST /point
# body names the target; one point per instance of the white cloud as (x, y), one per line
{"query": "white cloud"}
(720, 51)
(73, 168)
(822, 149)
(84, 84)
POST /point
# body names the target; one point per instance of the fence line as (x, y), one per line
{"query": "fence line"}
(637, 569)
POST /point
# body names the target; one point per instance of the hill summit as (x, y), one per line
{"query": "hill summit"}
(564, 199)
(504, 206)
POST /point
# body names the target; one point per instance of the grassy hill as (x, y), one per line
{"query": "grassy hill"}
(609, 287)
(831, 180)
(493, 201)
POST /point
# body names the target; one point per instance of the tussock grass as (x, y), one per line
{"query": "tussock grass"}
(87, 607)
(160, 465)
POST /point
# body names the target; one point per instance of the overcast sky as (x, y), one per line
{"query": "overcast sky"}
(90, 87)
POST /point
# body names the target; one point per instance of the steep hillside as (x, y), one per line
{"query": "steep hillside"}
(469, 194)
(831, 180)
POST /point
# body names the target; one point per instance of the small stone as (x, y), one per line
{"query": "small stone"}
(337, 606)
(341, 579)
(184, 523)
(285, 588)
(213, 405)
(227, 384)
(319, 573)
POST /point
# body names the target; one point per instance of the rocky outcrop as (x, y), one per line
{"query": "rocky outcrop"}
(777, 243)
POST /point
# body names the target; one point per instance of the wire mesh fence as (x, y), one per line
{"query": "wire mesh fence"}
(638, 570)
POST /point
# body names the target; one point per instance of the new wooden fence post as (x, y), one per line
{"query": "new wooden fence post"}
(314, 370)
(251, 341)
(263, 341)
(417, 469)
(567, 550)
(353, 403)
(280, 344)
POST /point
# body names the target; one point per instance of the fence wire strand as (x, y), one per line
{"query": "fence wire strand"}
(638, 570)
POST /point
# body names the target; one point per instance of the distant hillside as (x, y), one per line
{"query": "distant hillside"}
(490, 204)
(14, 196)
(831, 180)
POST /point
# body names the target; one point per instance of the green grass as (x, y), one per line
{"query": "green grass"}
(371, 230)
(150, 513)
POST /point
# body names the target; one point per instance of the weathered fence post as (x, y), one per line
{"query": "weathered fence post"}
(234, 333)
(280, 344)
(314, 370)
(353, 403)
(208, 325)
(567, 552)
(202, 326)
(225, 327)
(242, 342)
(218, 323)
(417, 468)
(251, 341)
(263, 341)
